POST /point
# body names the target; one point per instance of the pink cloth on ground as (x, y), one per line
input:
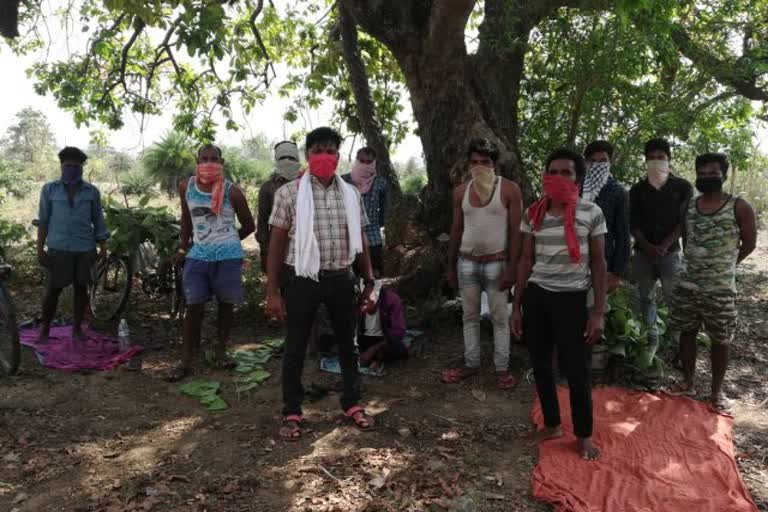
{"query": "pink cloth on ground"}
(96, 352)
(660, 454)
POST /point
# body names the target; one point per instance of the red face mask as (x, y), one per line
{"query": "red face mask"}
(322, 165)
(560, 189)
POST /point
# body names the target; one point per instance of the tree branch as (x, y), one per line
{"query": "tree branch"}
(366, 110)
(447, 19)
(257, 35)
(731, 74)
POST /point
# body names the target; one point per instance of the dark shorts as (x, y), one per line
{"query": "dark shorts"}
(69, 267)
(377, 257)
(204, 279)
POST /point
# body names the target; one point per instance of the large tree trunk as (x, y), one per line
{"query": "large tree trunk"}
(449, 101)
(369, 121)
(9, 18)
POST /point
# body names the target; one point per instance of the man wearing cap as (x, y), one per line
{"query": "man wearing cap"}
(287, 168)
(71, 225)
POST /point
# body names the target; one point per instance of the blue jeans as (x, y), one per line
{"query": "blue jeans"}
(647, 271)
(474, 278)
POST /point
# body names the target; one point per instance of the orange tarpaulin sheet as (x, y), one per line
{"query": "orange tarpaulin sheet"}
(659, 454)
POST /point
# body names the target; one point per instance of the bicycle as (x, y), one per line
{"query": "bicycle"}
(10, 347)
(112, 281)
(160, 279)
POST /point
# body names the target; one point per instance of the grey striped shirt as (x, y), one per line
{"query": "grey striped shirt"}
(552, 268)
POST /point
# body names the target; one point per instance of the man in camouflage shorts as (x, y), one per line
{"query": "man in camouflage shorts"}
(719, 231)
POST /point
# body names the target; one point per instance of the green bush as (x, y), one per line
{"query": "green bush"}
(11, 233)
(130, 227)
(254, 287)
(413, 184)
(626, 336)
(137, 183)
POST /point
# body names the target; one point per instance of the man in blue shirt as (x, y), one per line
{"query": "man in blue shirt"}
(71, 225)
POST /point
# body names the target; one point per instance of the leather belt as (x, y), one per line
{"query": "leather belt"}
(325, 274)
(486, 258)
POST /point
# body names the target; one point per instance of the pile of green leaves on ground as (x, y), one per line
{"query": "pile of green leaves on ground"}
(207, 391)
(250, 364)
(250, 367)
(626, 336)
(132, 226)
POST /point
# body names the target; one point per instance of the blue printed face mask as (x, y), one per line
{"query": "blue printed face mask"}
(71, 173)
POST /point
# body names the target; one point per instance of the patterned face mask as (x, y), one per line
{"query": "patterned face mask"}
(596, 178)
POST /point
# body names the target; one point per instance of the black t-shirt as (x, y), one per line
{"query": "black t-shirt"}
(656, 212)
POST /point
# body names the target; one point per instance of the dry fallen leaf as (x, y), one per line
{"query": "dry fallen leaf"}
(479, 395)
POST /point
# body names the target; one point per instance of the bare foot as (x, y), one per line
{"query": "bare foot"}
(721, 403)
(682, 389)
(588, 450)
(547, 433)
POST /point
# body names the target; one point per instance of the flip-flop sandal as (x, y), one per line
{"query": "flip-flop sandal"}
(294, 429)
(681, 390)
(456, 375)
(507, 381)
(352, 414)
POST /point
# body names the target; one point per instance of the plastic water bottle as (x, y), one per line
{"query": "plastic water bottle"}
(124, 344)
(123, 336)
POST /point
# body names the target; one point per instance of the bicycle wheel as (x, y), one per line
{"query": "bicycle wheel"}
(10, 349)
(111, 288)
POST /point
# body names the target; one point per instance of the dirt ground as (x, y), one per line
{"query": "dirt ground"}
(120, 441)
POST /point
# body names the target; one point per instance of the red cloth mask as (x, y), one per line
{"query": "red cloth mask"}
(565, 191)
(212, 173)
(323, 165)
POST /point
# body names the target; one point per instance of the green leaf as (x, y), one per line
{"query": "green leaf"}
(199, 387)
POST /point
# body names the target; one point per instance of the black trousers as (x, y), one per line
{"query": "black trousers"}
(559, 319)
(302, 298)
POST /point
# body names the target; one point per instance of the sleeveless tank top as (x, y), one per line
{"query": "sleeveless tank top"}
(485, 228)
(215, 236)
(712, 248)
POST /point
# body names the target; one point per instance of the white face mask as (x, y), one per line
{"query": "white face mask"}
(658, 172)
(288, 169)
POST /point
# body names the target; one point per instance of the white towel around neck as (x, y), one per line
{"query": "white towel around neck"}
(307, 250)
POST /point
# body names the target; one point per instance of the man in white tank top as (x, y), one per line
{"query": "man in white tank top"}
(482, 254)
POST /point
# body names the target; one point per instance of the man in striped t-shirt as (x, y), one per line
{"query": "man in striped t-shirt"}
(563, 258)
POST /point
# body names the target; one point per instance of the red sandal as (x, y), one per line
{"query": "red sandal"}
(456, 375)
(291, 429)
(505, 380)
(358, 416)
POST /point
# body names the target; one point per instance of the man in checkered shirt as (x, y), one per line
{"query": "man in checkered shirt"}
(335, 287)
